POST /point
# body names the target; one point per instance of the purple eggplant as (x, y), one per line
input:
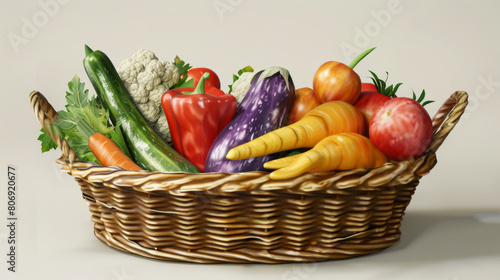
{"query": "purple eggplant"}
(263, 109)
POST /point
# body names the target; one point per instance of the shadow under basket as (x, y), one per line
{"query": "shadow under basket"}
(247, 217)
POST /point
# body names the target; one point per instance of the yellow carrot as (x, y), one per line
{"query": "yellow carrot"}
(327, 119)
(341, 151)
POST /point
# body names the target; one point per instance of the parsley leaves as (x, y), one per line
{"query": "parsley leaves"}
(84, 116)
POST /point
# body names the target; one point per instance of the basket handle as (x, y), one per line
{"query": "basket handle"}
(446, 118)
(46, 114)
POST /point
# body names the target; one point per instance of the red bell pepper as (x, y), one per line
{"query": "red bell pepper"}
(195, 117)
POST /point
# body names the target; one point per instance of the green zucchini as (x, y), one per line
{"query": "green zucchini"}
(147, 148)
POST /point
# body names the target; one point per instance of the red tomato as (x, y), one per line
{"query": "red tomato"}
(368, 103)
(336, 81)
(196, 73)
(401, 128)
(305, 101)
(368, 87)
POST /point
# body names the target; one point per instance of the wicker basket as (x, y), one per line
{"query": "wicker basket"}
(246, 217)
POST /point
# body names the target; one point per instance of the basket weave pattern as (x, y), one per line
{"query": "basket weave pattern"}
(246, 217)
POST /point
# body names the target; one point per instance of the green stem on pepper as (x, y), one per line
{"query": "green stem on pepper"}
(200, 87)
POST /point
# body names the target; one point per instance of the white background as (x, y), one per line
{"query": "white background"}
(452, 227)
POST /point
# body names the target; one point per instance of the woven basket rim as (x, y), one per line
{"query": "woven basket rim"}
(178, 183)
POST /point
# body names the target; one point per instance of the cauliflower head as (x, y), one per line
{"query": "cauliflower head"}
(146, 79)
(241, 86)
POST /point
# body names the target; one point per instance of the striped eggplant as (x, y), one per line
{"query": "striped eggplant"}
(263, 109)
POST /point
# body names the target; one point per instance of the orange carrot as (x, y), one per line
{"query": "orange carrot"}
(327, 119)
(108, 153)
(341, 151)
